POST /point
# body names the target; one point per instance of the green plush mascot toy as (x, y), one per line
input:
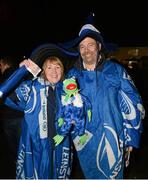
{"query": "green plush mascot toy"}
(73, 113)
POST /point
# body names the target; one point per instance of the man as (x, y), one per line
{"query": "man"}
(117, 109)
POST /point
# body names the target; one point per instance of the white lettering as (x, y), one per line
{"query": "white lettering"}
(64, 163)
(20, 160)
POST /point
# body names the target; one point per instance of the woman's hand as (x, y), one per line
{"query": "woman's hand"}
(33, 68)
(25, 62)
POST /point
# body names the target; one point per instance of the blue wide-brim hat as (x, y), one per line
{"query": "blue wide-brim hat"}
(40, 53)
(87, 30)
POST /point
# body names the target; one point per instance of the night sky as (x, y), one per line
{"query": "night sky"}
(25, 24)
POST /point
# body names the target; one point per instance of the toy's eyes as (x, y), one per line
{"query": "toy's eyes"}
(71, 86)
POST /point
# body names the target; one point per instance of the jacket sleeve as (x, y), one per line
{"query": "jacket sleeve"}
(132, 109)
(17, 99)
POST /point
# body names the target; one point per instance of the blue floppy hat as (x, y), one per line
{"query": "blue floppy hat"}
(88, 30)
(41, 52)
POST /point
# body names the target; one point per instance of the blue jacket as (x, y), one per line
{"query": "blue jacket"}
(116, 123)
(37, 158)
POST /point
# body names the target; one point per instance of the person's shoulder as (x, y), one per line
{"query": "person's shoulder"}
(113, 63)
(73, 72)
(74, 69)
(29, 82)
(112, 67)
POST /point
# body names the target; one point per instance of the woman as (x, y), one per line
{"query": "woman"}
(38, 158)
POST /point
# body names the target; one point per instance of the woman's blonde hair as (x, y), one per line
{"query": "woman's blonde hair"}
(54, 60)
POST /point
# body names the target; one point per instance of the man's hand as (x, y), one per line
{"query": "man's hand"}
(127, 155)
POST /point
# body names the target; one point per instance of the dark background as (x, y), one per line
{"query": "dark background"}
(25, 24)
